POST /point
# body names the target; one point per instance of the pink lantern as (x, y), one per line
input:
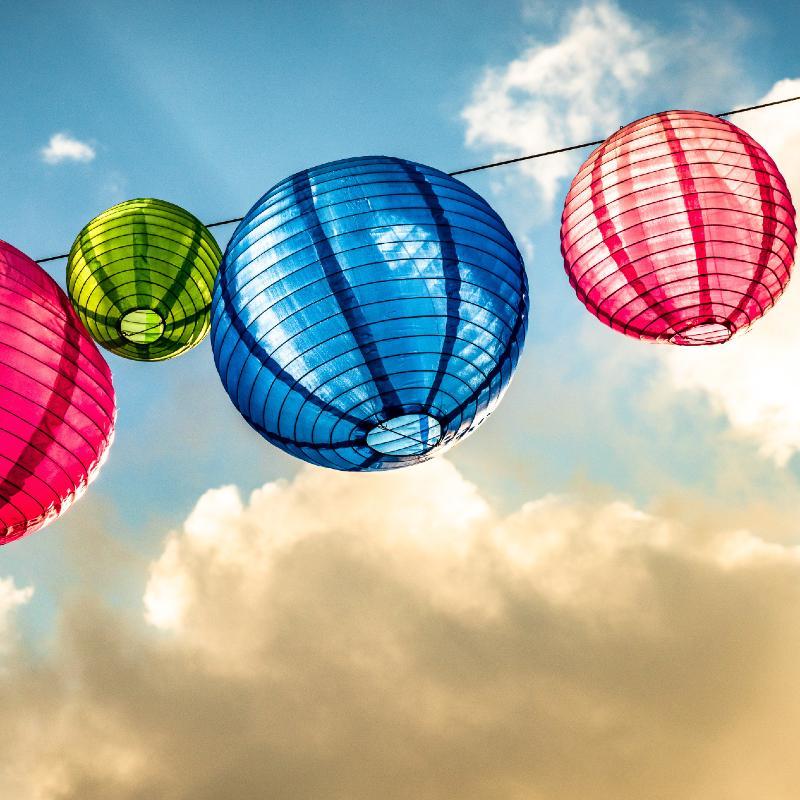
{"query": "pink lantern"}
(679, 228)
(57, 406)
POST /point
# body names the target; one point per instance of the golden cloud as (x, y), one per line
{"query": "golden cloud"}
(395, 636)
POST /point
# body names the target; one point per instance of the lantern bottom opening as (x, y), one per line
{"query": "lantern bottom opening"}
(141, 325)
(405, 435)
(708, 332)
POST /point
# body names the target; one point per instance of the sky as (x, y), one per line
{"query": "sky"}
(596, 595)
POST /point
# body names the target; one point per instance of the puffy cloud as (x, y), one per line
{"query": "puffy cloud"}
(63, 147)
(396, 636)
(751, 379)
(560, 93)
(605, 68)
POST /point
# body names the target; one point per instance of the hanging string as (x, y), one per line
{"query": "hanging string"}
(600, 141)
(493, 164)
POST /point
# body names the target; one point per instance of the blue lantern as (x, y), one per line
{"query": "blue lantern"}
(368, 313)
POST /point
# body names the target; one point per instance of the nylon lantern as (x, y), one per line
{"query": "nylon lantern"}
(57, 406)
(368, 313)
(679, 228)
(141, 276)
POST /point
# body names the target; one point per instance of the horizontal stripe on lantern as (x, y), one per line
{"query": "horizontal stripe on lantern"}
(141, 276)
(57, 407)
(368, 313)
(679, 228)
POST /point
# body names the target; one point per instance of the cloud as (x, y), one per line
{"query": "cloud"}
(11, 598)
(63, 147)
(751, 380)
(397, 636)
(606, 68)
(561, 93)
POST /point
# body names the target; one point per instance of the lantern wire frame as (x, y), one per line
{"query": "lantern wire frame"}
(141, 276)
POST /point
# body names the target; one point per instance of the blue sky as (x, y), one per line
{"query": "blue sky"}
(208, 107)
(209, 111)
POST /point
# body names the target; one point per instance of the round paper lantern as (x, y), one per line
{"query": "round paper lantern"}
(679, 228)
(368, 313)
(56, 399)
(141, 275)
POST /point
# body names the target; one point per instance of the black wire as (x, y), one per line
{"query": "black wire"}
(224, 222)
(760, 105)
(527, 158)
(493, 164)
(600, 141)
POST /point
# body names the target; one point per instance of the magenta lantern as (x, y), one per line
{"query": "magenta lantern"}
(57, 407)
(679, 228)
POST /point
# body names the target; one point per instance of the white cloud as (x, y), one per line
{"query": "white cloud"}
(606, 68)
(562, 93)
(11, 598)
(437, 523)
(63, 147)
(753, 379)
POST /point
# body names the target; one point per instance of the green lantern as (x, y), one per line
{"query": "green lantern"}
(141, 277)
